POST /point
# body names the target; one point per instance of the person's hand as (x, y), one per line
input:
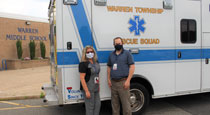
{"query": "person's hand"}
(87, 93)
(109, 83)
(127, 84)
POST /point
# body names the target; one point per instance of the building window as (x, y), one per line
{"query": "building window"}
(188, 31)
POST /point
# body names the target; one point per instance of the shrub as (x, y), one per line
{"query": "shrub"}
(32, 47)
(42, 95)
(43, 49)
(19, 49)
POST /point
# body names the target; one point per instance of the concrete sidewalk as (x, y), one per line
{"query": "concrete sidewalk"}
(23, 83)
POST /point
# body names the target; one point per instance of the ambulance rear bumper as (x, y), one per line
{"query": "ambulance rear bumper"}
(50, 95)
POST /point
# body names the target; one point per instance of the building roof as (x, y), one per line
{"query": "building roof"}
(23, 17)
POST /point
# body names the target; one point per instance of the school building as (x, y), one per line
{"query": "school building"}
(25, 28)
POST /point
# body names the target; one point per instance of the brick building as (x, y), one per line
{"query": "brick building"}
(24, 28)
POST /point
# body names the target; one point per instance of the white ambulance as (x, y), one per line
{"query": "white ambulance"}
(169, 40)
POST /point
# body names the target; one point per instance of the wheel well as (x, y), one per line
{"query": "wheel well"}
(142, 80)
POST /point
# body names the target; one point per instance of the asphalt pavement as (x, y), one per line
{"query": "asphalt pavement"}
(198, 104)
(17, 85)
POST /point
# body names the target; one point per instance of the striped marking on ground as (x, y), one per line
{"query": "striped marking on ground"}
(22, 106)
(11, 103)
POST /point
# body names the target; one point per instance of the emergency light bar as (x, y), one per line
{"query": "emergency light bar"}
(100, 2)
(167, 4)
(69, 2)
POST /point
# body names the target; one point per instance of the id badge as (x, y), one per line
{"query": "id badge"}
(96, 80)
(115, 66)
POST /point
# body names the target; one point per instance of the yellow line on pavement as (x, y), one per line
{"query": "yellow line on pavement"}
(11, 103)
(23, 106)
(27, 106)
(12, 108)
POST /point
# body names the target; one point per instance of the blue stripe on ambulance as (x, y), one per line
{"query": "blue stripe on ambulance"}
(82, 24)
(145, 55)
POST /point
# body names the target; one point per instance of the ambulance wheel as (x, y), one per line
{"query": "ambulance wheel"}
(139, 98)
(61, 105)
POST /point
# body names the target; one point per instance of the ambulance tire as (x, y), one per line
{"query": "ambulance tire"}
(139, 97)
(61, 105)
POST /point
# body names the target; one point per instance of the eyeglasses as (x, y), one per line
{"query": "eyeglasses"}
(90, 52)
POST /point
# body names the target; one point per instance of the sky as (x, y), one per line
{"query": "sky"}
(35, 8)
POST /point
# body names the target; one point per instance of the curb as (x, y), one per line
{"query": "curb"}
(20, 98)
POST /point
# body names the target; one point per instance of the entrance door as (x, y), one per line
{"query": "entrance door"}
(188, 46)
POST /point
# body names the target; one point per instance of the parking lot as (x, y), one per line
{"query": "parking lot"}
(198, 104)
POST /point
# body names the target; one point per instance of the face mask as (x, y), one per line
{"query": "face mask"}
(90, 55)
(118, 47)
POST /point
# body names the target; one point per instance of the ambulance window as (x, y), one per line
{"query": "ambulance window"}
(188, 31)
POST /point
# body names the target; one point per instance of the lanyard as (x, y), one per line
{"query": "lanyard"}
(95, 68)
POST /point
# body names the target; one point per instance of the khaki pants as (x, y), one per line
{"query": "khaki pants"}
(119, 94)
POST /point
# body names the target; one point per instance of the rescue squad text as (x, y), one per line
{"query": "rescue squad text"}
(141, 41)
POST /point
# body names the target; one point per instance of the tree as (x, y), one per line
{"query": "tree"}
(19, 49)
(32, 47)
(43, 49)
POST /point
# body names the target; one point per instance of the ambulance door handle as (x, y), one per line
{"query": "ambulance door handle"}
(207, 60)
(179, 54)
(69, 45)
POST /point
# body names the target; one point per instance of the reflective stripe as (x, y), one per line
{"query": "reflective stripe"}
(144, 55)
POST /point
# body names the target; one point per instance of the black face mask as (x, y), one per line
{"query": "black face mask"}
(118, 47)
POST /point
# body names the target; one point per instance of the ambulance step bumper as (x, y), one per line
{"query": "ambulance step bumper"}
(50, 94)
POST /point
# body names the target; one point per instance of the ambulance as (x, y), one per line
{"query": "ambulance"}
(169, 41)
